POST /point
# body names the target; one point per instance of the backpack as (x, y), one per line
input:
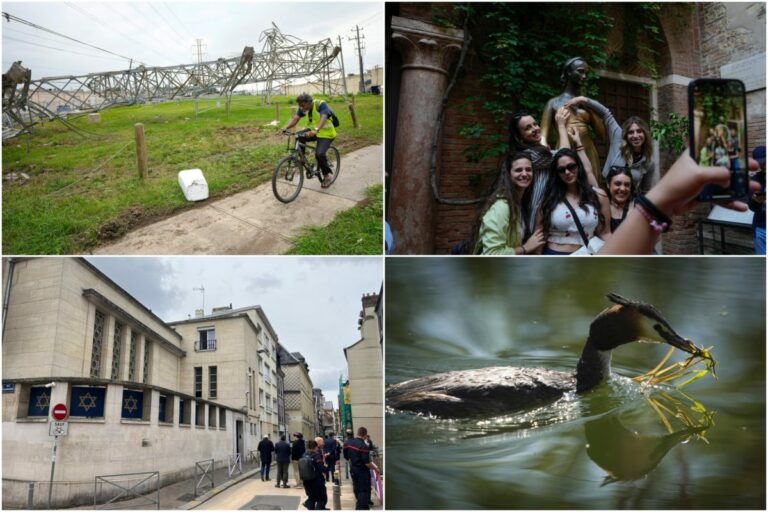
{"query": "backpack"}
(307, 470)
(334, 119)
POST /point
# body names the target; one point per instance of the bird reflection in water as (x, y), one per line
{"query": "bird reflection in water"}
(627, 447)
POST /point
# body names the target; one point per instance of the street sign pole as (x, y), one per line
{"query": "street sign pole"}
(59, 412)
(53, 466)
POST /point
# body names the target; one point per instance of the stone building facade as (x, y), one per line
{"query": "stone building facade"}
(430, 209)
(72, 336)
(300, 413)
(234, 361)
(366, 373)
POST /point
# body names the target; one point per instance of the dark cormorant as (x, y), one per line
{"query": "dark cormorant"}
(502, 389)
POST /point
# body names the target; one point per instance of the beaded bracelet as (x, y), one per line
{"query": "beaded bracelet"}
(658, 221)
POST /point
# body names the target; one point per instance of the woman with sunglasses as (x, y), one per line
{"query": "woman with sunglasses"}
(619, 188)
(572, 195)
(503, 226)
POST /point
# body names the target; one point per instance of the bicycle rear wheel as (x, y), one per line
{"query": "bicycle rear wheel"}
(287, 179)
(334, 162)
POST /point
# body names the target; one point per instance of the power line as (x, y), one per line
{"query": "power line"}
(180, 37)
(10, 17)
(59, 49)
(98, 20)
(177, 19)
(141, 30)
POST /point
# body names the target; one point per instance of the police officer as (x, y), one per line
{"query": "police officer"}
(330, 453)
(323, 132)
(360, 462)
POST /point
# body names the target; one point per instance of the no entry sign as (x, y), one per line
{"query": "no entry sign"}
(59, 412)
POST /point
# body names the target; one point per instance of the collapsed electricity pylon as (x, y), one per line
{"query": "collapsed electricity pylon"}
(283, 58)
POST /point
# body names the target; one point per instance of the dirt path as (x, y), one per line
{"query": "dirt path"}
(254, 222)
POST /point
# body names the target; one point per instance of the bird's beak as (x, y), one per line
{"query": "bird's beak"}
(673, 338)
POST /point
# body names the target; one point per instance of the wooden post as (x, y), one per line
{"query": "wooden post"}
(229, 99)
(141, 150)
(352, 113)
(196, 100)
(277, 112)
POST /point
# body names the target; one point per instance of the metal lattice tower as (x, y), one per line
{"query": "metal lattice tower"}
(282, 59)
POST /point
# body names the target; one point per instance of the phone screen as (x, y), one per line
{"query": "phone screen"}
(718, 132)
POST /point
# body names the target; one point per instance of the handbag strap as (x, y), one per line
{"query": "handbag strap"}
(578, 223)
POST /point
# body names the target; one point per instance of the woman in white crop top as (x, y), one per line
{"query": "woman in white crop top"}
(568, 180)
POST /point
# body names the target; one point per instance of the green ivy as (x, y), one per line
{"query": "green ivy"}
(522, 46)
(672, 134)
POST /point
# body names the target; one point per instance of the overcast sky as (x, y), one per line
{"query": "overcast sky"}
(312, 303)
(164, 33)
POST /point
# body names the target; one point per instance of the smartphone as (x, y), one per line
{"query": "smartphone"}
(717, 132)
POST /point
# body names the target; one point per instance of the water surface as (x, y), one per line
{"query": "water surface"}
(608, 449)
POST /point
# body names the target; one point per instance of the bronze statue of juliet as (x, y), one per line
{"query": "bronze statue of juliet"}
(573, 76)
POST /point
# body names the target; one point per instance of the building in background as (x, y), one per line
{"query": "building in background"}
(299, 403)
(366, 374)
(240, 346)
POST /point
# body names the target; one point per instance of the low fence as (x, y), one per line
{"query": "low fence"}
(127, 486)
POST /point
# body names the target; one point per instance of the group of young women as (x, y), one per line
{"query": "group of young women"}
(550, 202)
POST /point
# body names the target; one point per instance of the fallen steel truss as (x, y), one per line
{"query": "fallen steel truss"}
(283, 58)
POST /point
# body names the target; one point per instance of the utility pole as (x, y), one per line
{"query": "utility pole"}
(199, 50)
(343, 73)
(360, 49)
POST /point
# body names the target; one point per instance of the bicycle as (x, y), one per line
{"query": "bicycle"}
(288, 176)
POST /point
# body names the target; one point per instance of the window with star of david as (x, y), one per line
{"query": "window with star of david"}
(132, 406)
(39, 401)
(87, 401)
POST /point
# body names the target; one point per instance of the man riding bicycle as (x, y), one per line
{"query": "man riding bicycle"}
(324, 132)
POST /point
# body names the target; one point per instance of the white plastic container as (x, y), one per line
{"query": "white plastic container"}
(193, 184)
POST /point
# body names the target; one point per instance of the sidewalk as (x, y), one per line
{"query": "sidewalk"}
(254, 221)
(245, 491)
(252, 493)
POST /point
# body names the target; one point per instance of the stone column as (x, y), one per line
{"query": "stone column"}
(427, 51)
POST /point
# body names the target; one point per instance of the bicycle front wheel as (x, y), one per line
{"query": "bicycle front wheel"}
(334, 162)
(287, 179)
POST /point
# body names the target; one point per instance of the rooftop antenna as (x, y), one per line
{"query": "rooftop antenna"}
(201, 290)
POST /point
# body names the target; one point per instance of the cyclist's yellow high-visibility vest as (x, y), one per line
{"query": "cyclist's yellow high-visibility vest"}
(328, 131)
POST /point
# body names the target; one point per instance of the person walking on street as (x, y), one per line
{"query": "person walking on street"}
(321, 128)
(297, 450)
(265, 448)
(330, 454)
(311, 468)
(345, 449)
(283, 456)
(359, 459)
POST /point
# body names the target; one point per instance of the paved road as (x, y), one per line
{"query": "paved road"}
(254, 222)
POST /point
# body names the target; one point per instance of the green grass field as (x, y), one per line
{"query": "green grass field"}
(83, 191)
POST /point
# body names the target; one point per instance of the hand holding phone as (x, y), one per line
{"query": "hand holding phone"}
(717, 133)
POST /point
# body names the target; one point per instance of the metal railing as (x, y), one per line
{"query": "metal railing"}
(126, 491)
(235, 464)
(204, 469)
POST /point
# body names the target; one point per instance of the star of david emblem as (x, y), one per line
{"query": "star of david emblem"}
(43, 401)
(130, 403)
(91, 401)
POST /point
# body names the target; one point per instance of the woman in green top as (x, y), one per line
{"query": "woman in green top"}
(504, 217)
